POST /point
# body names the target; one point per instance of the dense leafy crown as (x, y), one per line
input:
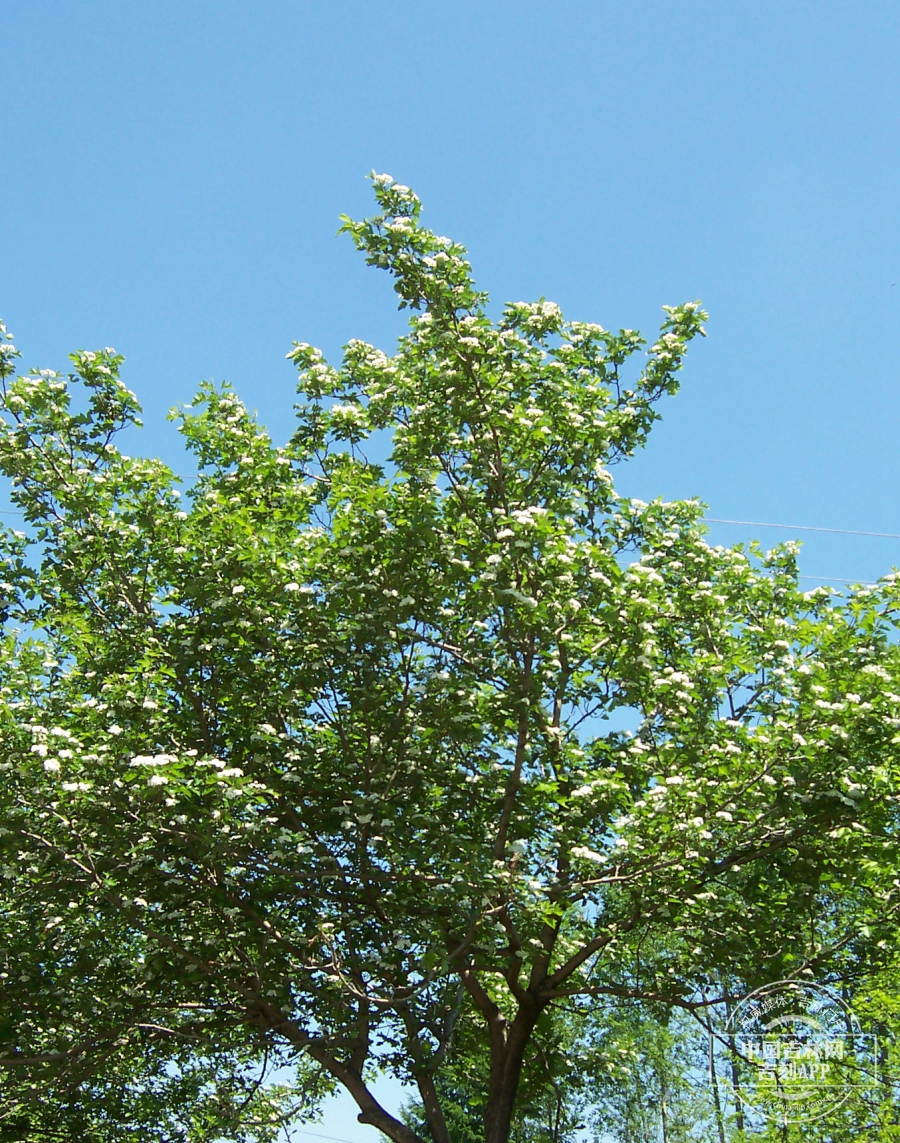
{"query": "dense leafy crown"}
(313, 757)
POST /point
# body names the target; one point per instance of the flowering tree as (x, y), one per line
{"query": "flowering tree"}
(311, 762)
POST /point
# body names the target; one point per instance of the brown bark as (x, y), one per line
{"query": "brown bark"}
(507, 1058)
(370, 1110)
(425, 1082)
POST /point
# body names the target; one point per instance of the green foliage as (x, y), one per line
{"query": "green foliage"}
(294, 761)
(557, 1087)
(162, 1097)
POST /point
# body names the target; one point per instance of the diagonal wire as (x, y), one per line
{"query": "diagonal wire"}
(715, 520)
(805, 528)
(709, 520)
(837, 579)
(318, 1135)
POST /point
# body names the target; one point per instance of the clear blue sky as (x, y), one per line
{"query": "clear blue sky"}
(174, 172)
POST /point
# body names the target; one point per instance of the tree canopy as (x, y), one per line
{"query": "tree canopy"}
(409, 731)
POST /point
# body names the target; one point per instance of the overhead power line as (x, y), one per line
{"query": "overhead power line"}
(804, 528)
(319, 1135)
(742, 523)
(837, 579)
(709, 520)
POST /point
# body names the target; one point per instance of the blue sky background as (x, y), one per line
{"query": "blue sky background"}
(174, 172)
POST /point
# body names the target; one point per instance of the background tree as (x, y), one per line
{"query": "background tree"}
(556, 1088)
(296, 761)
(627, 1072)
(618, 1071)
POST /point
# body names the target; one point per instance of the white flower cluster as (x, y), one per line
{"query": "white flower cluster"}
(153, 759)
(527, 516)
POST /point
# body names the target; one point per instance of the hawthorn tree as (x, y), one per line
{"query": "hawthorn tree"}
(325, 757)
(147, 1090)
